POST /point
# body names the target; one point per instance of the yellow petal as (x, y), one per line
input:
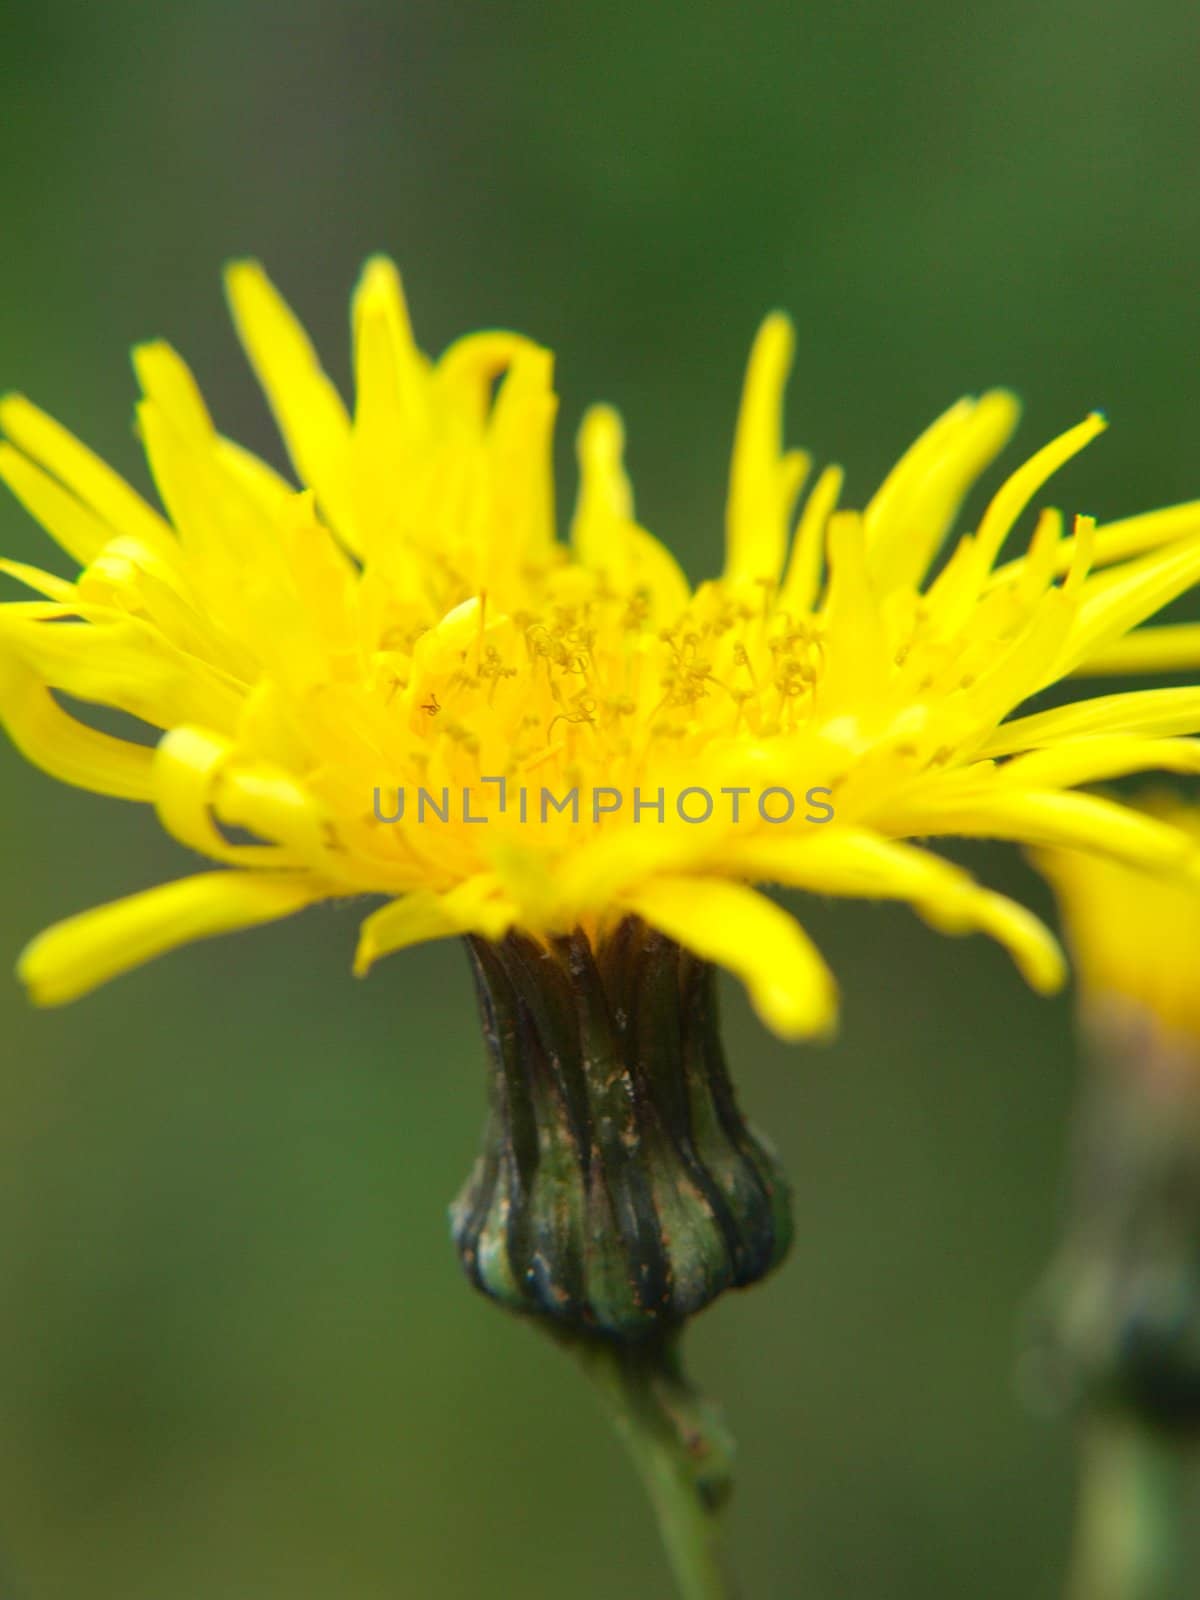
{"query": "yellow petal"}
(187, 768)
(73, 957)
(1115, 601)
(80, 532)
(118, 660)
(167, 379)
(1049, 818)
(275, 805)
(654, 571)
(261, 482)
(65, 748)
(311, 415)
(1131, 536)
(520, 447)
(909, 517)
(475, 906)
(1099, 760)
(1038, 566)
(56, 589)
(857, 863)
(956, 590)
(802, 581)
(1172, 648)
(231, 535)
(1020, 489)
(605, 537)
(856, 670)
(1027, 665)
(1159, 712)
(1083, 554)
(605, 504)
(390, 374)
(467, 371)
(89, 479)
(788, 982)
(764, 481)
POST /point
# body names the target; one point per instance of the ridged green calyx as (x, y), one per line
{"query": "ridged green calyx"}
(618, 1190)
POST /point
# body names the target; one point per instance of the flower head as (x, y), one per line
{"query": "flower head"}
(409, 620)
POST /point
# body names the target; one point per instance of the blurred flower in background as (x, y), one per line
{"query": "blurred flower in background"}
(1116, 1334)
(1135, 940)
(1127, 1291)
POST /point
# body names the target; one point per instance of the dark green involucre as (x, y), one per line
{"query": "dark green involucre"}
(618, 1190)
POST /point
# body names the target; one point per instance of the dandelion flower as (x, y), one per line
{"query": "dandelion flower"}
(410, 620)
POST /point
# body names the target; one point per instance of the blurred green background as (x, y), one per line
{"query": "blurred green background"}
(236, 1355)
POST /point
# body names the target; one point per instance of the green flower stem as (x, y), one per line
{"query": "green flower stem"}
(1129, 1527)
(679, 1444)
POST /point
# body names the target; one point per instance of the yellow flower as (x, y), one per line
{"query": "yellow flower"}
(410, 621)
(1134, 935)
